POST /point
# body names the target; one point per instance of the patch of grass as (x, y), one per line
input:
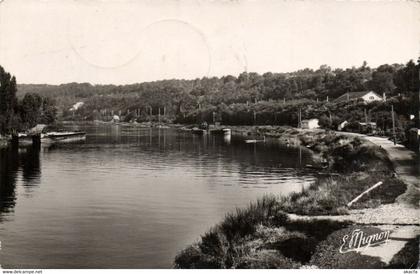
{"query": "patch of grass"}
(259, 236)
(193, 258)
(330, 195)
(318, 229)
(347, 154)
(244, 221)
(266, 259)
(236, 237)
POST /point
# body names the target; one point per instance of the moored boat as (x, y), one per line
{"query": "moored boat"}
(198, 131)
(24, 139)
(253, 141)
(64, 136)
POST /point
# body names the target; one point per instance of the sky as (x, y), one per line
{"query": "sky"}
(127, 41)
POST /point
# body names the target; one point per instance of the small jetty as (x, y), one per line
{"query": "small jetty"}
(254, 141)
(49, 137)
(198, 131)
(64, 136)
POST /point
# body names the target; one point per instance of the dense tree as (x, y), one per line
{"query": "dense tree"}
(30, 109)
(20, 115)
(8, 101)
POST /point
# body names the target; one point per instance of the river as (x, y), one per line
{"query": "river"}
(131, 197)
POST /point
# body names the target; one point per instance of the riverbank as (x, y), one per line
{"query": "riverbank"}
(299, 231)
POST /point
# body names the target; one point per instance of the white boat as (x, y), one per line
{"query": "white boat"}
(253, 141)
(63, 136)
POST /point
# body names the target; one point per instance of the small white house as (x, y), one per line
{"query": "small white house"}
(76, 106)
(369, 124)
(372, 96)
(310, 123)
(37, 129)
(366, 96)
(115, 118)
(342, 125)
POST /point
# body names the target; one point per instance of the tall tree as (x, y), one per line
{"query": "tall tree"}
(30, 109)
(8, 101)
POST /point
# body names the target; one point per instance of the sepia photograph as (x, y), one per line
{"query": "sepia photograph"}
(209, 134)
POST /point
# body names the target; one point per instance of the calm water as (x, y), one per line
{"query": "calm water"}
(130, 198)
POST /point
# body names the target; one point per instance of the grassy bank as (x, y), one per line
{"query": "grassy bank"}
(262, 235)
(350, 166)
(356, 165)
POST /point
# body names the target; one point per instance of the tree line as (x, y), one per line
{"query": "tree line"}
(250, 98)
(21, 114)
(184, 98)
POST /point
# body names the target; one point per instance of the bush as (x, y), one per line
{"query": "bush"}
(266, 259)
(243, 222)
(192, 257)
(408, 257)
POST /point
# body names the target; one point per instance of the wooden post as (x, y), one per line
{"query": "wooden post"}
(36, 140)
(393, 125)
(366, 118)
(300, 118)
(363, 193)
(15, 139)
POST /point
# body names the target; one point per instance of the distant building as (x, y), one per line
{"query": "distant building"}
(115, 118)
(368, 124)
(37, 129)
(76, 106)
(359, 127)
(310, 124)
(342, 125)
(367, 96)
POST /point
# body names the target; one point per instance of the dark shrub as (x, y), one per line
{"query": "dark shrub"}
(192, 257)
(298, 248)
(408, 257)
(266, 259)
(244, 221)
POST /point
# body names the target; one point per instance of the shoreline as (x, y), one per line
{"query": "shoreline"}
(399, 213)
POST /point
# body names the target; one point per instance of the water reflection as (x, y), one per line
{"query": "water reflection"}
(9, 166)
(31, 166)
(17, 162)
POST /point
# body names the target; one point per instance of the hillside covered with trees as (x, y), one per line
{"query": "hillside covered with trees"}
(250, 98)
